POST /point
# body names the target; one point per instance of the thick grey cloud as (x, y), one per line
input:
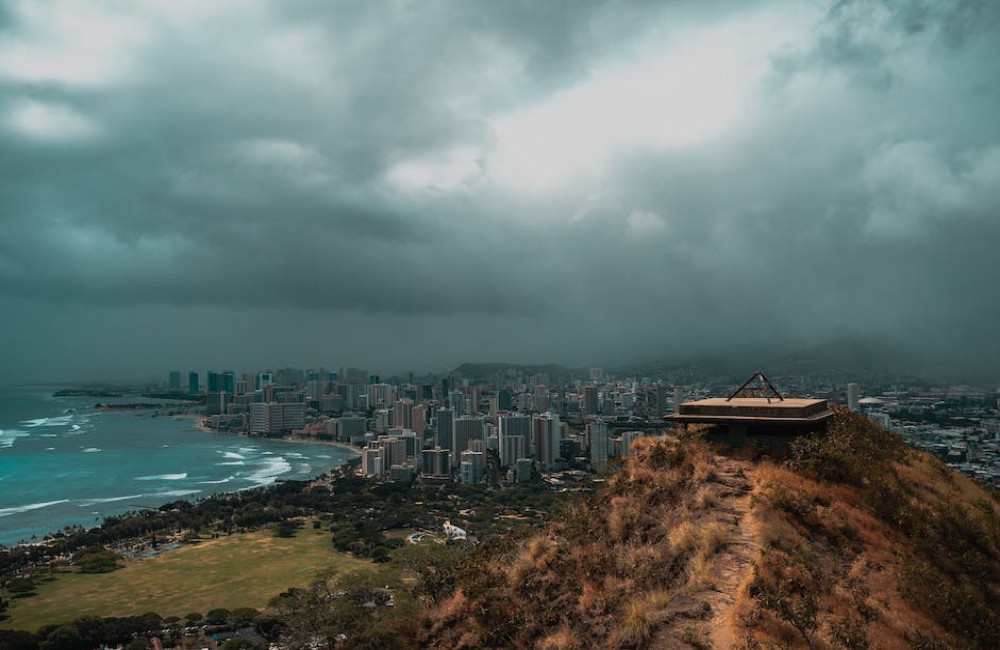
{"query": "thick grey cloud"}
(413, 183)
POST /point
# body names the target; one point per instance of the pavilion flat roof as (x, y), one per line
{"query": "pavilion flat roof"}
(749, 410)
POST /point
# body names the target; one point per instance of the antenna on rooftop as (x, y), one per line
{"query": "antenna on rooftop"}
(764, 389)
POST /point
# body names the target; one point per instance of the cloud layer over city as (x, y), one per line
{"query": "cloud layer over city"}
(410, 185)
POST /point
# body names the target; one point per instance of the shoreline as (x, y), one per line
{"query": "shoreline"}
(201, 420)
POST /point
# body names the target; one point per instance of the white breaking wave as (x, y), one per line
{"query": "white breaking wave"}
(232, 454)
(31, 506)
(59, 421)
(173, 493)
(8, 436)
(231, 462)
(91, 502)
(91, 450)
(295, 454)
(272, 469)
(163, 477)
(225, 480)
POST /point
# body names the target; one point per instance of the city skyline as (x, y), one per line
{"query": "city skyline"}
(411, 186)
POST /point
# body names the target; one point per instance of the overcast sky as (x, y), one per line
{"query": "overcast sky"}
(410, 185)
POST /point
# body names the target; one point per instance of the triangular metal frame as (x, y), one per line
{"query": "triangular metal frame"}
(747, 391)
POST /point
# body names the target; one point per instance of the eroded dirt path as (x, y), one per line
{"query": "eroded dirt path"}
(701, 617)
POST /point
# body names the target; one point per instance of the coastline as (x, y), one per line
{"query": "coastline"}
(314, 441)
(175, 459)
(201, 424)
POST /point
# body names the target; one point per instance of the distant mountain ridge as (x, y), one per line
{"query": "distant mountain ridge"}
(848, 358)
(488, 371)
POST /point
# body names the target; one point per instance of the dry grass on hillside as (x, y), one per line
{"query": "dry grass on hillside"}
(855, 541)
(867, 544)
(620, 569)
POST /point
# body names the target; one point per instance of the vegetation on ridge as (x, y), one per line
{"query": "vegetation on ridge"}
(851, 540)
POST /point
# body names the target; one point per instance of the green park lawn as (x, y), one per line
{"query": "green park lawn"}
(238, 571)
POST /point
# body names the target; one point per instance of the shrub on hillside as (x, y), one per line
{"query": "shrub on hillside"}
(853, 450)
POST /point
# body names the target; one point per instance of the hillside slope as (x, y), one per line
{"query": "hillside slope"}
(852, 540)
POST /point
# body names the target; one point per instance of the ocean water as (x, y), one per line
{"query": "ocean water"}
(63, 463)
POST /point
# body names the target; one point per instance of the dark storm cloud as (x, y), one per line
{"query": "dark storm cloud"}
(563, 180)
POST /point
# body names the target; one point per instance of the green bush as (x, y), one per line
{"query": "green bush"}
(96, 559)
(853, 450)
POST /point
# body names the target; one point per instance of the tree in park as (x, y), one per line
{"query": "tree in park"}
(217, 616)
(21, 586)
(96, 559)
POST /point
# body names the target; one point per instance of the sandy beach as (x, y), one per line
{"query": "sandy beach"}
(201, 422)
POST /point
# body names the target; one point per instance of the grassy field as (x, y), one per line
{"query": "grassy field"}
(238, 571)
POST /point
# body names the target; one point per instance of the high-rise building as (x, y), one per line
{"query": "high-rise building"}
(505, 399)
(435, 462)
(192, 383)
(678, 398)
(511, 449)
(472, 398)
(393, 450)
(215, 403)
(546, 434)
(403, 413)
(349, 393)
(175, 380)
(513, 427)
(590, 404)
(229, 381)
(268, 418)
(660, 401)
(597, 374)
(523, 470)
(458, 402)
(383, 420)
(597, 433)
(372, 463)
(466, 428)
(853, 395)
(351, 428)
(471, 467)
(418, 420)
(445, 420)
(381, 396)
(214, 382)
(540, 398)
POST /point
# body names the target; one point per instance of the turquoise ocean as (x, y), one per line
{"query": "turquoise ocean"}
(65, 463)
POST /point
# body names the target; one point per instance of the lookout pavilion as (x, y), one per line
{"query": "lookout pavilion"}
(756, 410)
